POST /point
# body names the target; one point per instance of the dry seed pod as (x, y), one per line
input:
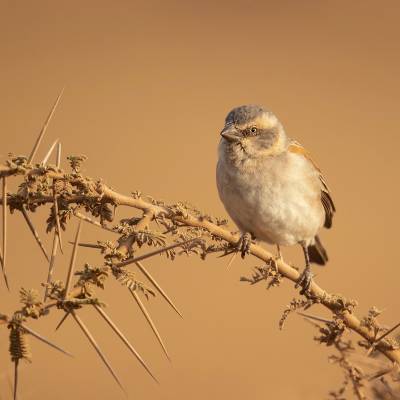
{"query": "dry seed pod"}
(19, 344)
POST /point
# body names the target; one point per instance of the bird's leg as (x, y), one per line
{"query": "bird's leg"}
(306, 276)
(280, 258)
(277, 258)
(244, 244)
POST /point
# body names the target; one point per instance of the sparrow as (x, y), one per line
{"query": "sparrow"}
(271, 187)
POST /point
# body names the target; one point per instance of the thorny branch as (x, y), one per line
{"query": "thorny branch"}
(70, 193)
(366, 377)
(77, 192)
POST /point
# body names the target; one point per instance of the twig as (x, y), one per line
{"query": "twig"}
(378, 340)
(231, 259)
(315, 317)
(158, 287)
(287, 271)
(51, 264)
(34, 232)
(65, 316)
(387, 333)
(1, 257)
(58, 157)
(93, 222)
(58, 161)
(57, 218)
(89, 245)
(4, 254)
(150, 321)
(152, 253)
(44, 128)
(380, 373)
(16, 362)
(124, 339)
(47, 156)
(93, 342)
(44, 340)
(72, 262)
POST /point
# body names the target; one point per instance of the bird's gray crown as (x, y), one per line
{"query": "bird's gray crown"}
(246, 113)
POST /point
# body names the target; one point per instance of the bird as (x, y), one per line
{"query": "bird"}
(271, 187)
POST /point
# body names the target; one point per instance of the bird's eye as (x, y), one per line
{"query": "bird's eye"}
(253, 129)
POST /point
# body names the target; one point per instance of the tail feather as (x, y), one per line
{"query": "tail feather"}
(317, 252)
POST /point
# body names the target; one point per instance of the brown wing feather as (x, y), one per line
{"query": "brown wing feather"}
(326, 198)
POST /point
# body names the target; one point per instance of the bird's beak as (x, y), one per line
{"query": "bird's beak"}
(230, 133)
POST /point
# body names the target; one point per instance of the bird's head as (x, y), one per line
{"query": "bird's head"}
(253, 130)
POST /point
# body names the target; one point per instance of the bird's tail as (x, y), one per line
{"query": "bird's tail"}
(317, 252)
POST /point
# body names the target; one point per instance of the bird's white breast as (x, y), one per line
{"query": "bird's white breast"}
(277, 198)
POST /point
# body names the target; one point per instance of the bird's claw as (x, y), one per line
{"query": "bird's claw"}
(305, 280)
(244, 244)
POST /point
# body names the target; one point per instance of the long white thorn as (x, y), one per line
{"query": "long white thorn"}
(44, 128)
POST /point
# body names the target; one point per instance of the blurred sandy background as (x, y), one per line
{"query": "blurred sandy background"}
(148, 85)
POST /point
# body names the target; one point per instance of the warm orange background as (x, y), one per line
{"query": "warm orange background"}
(148, 85)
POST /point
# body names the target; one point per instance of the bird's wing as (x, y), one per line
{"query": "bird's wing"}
(326, 198)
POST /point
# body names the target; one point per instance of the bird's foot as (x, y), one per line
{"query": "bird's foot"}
(244, 244)
(305, 280)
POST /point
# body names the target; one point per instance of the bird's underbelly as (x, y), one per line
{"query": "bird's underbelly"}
(277, 211)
